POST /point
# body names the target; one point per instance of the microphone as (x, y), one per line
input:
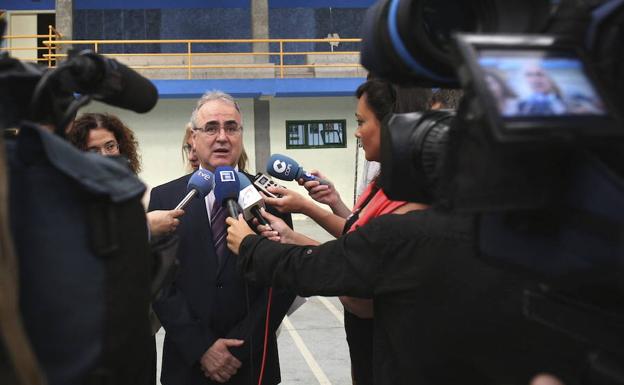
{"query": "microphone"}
(285, 168)
(250, 200)
(226, 189)
(111, 82)
(200, 185)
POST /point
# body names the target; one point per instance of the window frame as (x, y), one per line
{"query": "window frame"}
(308, 123)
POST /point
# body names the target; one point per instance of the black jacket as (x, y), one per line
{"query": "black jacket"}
(442, 314)
(206, 302)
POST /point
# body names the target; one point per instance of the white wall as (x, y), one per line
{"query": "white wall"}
(160, 134)
(338, 164)
(23, 24)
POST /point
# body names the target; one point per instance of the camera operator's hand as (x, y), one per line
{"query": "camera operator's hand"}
(326, 194)
(162, 222)
(237, 231)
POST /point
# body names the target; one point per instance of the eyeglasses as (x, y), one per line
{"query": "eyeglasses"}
(212, 129)
(109, 148)
(187, 148)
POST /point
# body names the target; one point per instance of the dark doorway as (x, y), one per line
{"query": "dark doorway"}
(43, 21)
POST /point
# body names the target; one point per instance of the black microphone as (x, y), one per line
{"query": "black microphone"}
(109, 81)
(250, 200)
(226, 189)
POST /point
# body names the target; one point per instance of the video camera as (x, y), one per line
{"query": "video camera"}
(77, 308)
(52, 96)
(534, 149)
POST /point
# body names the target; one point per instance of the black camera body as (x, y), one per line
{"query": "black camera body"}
(533, 151)
(80, 245)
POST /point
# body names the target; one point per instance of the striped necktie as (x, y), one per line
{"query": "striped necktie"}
(219, 232)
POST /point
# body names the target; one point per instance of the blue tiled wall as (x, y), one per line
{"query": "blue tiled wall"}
(159, 4)
(215, 23)
(346, 22)
(113, 24)
(320, 3)
(314, 23)
(292, 23)
(212, 23)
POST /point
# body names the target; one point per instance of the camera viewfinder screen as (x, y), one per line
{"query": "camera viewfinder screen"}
(539, 84)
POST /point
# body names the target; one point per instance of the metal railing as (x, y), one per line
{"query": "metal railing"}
(53, 35)
(194, 57)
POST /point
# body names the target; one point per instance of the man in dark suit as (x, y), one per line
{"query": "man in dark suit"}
(214, 322)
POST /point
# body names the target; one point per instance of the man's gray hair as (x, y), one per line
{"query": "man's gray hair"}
(211, 96)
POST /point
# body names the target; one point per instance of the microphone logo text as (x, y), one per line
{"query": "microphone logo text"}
(204, 175)
(227, 176)
(281, 167)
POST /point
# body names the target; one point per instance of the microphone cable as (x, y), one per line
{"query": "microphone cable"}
(266, 335)
(251, 350)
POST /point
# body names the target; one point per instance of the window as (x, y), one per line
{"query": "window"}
(316, 133)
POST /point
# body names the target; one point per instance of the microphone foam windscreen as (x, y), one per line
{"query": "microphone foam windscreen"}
(227, 184)
(202, 181)
(137, 93)
(282, 167)
(243, 180)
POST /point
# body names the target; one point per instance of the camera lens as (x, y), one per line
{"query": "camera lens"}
(410, 40)
(440, 24)
(412, 150)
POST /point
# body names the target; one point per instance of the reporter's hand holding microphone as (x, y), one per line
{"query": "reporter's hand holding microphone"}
(319, 187)
(234, 191)
(325, 194)
(163, 222)
(285, 168)
(289, 201)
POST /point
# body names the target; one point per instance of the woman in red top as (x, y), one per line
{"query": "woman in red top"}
(376, 99)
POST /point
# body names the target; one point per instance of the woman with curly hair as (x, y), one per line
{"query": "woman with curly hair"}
(107, 135)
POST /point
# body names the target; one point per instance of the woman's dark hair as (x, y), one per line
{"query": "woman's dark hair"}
(78, 135)
(380, 97)
(384, 98)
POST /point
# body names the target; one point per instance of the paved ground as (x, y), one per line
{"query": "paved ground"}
(311, 342)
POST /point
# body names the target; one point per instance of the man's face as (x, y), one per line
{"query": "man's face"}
(537, 79)
(224, 147)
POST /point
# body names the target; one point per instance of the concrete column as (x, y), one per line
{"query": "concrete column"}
(65, 21)
(260, 28)
(262, 133)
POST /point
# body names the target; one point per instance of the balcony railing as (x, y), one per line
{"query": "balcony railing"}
(13, 44)
(212, 58)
